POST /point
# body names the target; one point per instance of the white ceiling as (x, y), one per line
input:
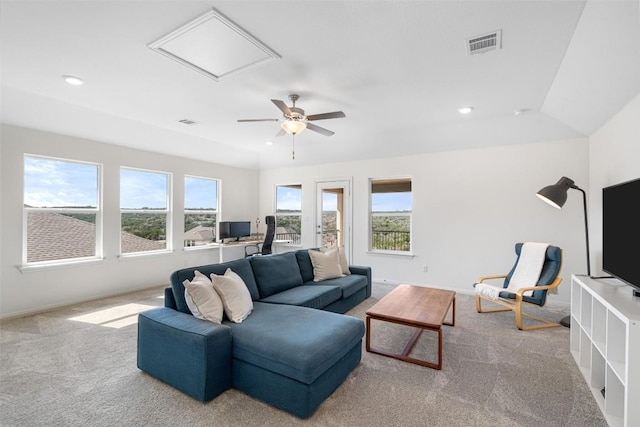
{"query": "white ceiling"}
(398, 69)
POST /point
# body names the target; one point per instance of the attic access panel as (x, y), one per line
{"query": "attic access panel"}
(214, 46)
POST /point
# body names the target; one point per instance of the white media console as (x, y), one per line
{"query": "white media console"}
(605, 342)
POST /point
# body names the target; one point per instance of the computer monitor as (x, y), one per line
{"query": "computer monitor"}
(234, 229)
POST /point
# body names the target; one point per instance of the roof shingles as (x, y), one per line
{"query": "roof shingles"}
(53, 236)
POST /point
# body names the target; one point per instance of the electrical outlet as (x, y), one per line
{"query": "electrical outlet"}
(424, 268)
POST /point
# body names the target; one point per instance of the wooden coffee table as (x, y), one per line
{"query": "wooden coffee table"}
(416, 306)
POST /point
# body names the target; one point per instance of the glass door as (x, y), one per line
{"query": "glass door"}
(333, 214)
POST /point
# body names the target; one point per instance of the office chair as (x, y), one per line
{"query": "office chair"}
(264, 248)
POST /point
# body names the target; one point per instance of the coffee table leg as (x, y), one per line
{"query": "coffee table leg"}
(409, 345)
(453, 314)
(404, 356)
(439, 349)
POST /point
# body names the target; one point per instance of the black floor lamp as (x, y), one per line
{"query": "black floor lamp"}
(556, 196)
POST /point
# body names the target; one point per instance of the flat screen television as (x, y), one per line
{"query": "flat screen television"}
(621, 232)
(234, 229)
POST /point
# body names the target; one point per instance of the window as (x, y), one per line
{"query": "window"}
(62, 215)
(200, 209)
(391, 201)
(144, 211)
(289, 213)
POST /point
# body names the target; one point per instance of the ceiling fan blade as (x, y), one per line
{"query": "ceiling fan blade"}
(281, 132)
(282, 106)
(316, 128)
(257, 120)
(323, 116)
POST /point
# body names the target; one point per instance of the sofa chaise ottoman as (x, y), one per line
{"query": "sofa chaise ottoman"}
(292, 351)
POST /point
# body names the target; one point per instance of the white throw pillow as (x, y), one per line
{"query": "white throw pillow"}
(342, 255)
(203, 301)
(326, 265)
(235, 295)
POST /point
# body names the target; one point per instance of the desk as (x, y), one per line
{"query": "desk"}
(242, 244)
(238, 244)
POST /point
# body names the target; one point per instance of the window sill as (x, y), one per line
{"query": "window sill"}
(392, 253)
(202, 247)
(31, 268)
(135, 255)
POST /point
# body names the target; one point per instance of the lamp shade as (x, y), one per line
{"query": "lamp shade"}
(293, 127)
(556, 194)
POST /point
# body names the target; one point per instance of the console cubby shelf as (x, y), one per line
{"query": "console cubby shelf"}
(605, 343)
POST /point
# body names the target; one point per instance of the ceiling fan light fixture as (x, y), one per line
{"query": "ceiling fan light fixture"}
(293, 127)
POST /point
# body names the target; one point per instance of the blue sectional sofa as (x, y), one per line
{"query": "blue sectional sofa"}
(293, 350)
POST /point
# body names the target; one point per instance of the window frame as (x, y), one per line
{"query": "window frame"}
(409, 214)
(278, 213)
(168, 212)
(98, 211)
(216, 212)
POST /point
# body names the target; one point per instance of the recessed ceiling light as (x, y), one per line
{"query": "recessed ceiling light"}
(269, 142)
(465, 110)
(521, 111)
(73, 80)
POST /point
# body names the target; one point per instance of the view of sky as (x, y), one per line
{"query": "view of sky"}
(291, 199)
(329, 202)
(391, 202)
(143, 189)
(288, 198)
(200, 193)
(52, 183)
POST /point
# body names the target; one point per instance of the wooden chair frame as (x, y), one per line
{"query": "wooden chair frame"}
(516, 304)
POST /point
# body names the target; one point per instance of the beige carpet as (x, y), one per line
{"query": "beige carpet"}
(77, 367)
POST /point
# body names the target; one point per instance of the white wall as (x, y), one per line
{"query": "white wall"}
(47, 288)
(470, 208)
(614, 152)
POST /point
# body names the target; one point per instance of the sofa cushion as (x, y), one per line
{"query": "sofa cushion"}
(241, 267)
(344, 263)
(314, 296)
(326, 265)
(297, 342)
(348, 284)
(202, 299)
(235, 296)
(275, 273)
(304, 263)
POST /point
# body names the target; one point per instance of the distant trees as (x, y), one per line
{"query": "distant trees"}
(391, 232)
(388, 231)
(292, 223)
(194, 220)
(145, 225)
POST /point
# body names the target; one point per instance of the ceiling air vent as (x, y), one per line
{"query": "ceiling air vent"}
(484, 43)
(188, 122)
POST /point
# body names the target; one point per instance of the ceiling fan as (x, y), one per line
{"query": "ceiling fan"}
(295, 120)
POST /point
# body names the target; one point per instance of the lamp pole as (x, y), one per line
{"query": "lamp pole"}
(586, 226)
(556, 196)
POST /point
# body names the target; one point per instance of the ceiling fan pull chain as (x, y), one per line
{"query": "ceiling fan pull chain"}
(293, 147)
